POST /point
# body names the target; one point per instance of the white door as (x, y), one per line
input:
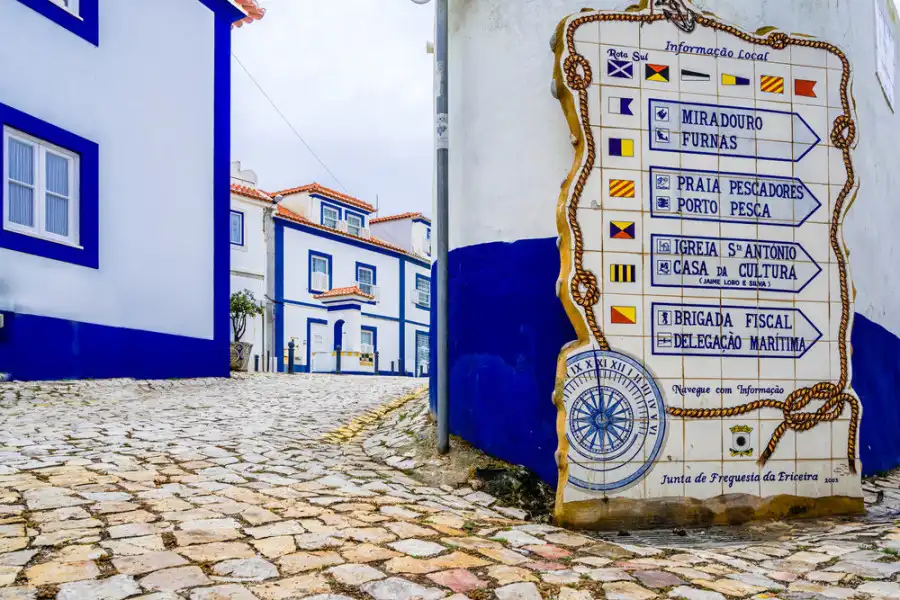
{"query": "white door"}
(318, 346)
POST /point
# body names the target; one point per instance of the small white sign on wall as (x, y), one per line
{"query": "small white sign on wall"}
(884, 54)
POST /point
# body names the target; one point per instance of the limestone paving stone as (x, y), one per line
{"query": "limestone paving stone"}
(245, 569)
(417, 548)
(172, 580)
(216, 551)
(397, 588)
(292, 587)
(355, 574)
(148, 562)
(518, 591)
(116, 587)
(53, 572)
(308, 561)
(222, 592)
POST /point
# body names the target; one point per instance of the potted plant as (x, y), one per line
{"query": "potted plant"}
(243, 306)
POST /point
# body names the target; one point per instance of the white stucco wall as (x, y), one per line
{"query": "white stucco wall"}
(145, 95)
(248, 264)
(510, 143)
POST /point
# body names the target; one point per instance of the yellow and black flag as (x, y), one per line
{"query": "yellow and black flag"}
(621, 273)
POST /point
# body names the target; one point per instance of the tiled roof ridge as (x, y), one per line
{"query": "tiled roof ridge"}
(344, 291)
(250, 192)
(317, 188)
(406, 215)
(292, 216)
(253, 10)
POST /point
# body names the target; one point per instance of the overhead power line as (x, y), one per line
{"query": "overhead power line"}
(288, 123)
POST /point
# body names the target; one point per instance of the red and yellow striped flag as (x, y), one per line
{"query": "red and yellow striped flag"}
(621, 188)
(771, 84)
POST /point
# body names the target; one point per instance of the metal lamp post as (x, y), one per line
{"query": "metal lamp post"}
(442, 146)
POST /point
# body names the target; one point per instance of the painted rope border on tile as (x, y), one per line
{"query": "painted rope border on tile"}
(583, 289)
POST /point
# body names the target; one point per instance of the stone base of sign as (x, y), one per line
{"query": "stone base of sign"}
(728, 509)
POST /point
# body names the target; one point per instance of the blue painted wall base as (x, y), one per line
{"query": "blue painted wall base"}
(507, 327)
(44, 348)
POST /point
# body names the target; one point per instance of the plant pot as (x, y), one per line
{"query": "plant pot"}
(240, 355)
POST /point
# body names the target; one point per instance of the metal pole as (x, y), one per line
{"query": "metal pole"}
(442, 144)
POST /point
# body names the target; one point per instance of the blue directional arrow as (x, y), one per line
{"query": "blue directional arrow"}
(723, 130)
(731, 331)
(697, 195)
(730, 264)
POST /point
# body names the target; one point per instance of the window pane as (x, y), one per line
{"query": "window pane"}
(329, 217)
(366, 338)
(320, 265)
(423, 285)
(57, 174)
(57, 215)
(21, 204)
(236, 229)
(365, 276)
(21, 161)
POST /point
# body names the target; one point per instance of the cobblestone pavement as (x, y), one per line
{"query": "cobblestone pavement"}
(257, 487)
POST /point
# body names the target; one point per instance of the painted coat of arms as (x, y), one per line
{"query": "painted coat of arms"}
(703, 265)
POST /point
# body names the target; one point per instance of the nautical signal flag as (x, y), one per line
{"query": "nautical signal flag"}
(805, 87)
(688, 75)
(621, 230)
(656, 72)
(621, 273)
(621, 147)
(734, 80)
(621, 188)
(771, 84)
(620, 106)
(620, 69)
(623, 315)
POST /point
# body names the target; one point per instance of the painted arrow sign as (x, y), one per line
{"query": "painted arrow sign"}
(731, 331)
(743, 132)
(696, 195)
(730, 263)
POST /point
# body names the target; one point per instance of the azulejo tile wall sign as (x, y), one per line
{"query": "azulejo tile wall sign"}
(704, 270)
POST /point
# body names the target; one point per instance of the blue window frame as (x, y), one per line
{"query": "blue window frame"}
(53, 212)
(356, 221)
(319, 272)
(81, 17)
(366, 278)
(331, 214)
(237, 228)
(423, 353)
(423, 291)
(368, 337)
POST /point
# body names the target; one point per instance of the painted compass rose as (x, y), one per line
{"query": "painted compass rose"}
(615, 420)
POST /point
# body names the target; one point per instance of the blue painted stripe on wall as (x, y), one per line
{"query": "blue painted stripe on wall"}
(506, 331)
(43, 348)
(279, 292)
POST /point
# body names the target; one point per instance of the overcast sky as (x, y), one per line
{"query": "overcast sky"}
(354, 79)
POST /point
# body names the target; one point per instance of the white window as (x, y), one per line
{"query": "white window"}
(354, 224)
(365, 279)
(428, 240)
(330, 217)
(40, 183)
(69, 5)
(367, 341)
(319, 279)
(237, 228)
(423, 291)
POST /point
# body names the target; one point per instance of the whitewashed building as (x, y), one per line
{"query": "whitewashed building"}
(249, 231)
(115, 150)
(352, 292)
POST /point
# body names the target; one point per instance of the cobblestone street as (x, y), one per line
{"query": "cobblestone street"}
(277, 487)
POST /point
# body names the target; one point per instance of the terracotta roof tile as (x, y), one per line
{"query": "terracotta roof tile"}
(315, 188)
(406, 215)
(290, 215)
(249, 192)
(344, 291)
(253, 11)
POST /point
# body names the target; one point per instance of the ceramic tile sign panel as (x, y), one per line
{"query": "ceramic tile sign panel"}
(708, 284)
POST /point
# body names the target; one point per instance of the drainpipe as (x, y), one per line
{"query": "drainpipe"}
(268, 326)
(442, 147)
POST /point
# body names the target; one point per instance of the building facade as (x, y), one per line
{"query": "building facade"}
(348, 298)
(250, 234)
(595, 276)
(102, 273)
